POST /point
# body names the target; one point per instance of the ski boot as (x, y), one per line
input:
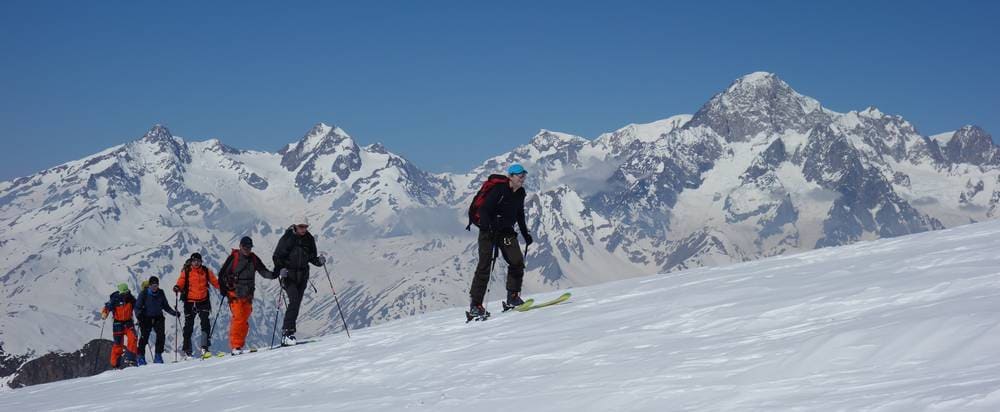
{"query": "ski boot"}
(288, 340)
(140, 361)
(127, 360)
(236, 351)
(513, 300)
(476, 312)
(158, 358)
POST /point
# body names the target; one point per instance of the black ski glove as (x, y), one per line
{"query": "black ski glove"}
(319, 260)
(528, 240)
(177, 289)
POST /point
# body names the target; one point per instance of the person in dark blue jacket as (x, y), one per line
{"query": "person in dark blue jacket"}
(149, 309)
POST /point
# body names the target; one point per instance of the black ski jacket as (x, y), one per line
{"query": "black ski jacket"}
(152, 305)
(501, 209)
(295, 252)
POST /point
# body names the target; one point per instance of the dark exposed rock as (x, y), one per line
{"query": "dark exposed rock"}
(89, 360)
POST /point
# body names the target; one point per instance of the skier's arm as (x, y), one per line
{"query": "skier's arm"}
(264, 272)
(224, 273)
(181, 281)
(280, 256)
(140, 305)
(225, 266)
(520, 220)
(166, 305)
(212, 279)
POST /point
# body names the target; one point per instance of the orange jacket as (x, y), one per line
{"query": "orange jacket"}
(120, 305)
(197, 281)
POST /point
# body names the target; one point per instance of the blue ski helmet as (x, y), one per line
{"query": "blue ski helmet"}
(516, 169)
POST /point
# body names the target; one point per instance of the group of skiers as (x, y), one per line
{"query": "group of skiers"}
(497, 206)
(236, 283)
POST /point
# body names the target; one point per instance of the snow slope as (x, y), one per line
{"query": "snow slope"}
(908, 323)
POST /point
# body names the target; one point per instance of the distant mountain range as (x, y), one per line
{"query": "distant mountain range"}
(759, 170)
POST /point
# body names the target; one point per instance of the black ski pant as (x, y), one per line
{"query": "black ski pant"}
(511, 252)
(146, 325)
(295, 286)
(202, 309)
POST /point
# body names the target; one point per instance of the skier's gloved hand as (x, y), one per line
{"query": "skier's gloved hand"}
(283, 274)
(177, 289)
(528, 240)
(321, 260)
(104, 315)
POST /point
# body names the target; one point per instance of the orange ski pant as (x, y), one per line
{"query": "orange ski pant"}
(241, 308)
(122, 331)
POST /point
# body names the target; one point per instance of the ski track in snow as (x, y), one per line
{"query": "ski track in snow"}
(901, 324)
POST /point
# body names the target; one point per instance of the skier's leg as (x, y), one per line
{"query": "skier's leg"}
(189, 314)
(144, 329)
(159, 326)
(482, 277)
(515, 264)
(117, 348)
(204, 312)
(296, 288)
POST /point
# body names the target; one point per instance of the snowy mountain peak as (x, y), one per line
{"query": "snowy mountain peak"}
(758, 79)
(322, 139)
(758, 104)
(157, 132)
(548, 138)
(872, 112)
(322, 133)
(971, 129)
(162, 150)
(972, 145)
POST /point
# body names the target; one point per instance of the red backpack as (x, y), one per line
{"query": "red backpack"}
(480, 198)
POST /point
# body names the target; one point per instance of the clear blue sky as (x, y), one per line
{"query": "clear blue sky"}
(447, 84)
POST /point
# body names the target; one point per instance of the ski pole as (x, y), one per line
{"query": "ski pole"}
(177, 320)
(337, 300)
(97, 353)
(493, 265)
(211, 332)
(277, 309)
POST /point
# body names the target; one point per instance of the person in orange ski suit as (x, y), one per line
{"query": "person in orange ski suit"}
(120, 305)
(237, 284)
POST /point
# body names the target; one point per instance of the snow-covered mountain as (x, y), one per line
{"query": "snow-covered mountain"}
(894, 324)
(759, 170)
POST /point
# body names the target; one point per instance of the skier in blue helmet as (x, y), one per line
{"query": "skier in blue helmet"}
(495, 209)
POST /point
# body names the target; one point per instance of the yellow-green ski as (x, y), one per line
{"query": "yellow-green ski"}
(560, 299)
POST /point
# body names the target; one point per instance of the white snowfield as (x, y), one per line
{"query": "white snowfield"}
(903, 324)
